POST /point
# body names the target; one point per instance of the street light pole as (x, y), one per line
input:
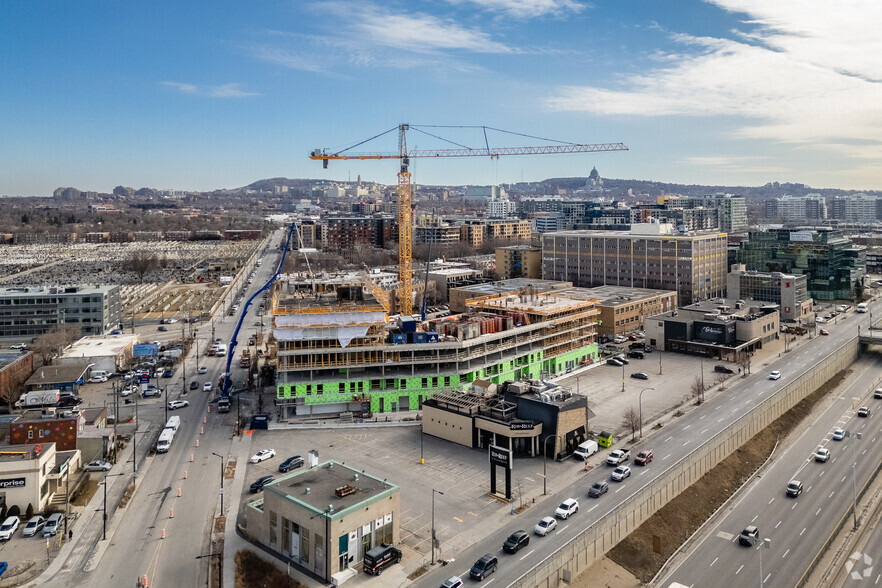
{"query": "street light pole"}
(640, 403)
(765, 544)
(433, 522)
(545, 462)
(222, 481)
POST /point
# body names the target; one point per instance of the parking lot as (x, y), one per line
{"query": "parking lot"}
(28, 555)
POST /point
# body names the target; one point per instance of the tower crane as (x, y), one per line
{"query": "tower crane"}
(404, 155)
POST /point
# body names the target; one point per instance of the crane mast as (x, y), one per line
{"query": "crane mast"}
(405, 195)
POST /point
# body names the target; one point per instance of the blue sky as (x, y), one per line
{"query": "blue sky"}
(204, 95)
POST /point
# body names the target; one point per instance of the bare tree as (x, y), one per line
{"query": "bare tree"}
(744, 362)
(141, 263)
(631, 420)
(49, 344)
(697, 390)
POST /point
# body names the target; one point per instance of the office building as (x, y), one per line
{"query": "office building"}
(650, 255)
(788, 291)
(797, 209)
(27, 312)
(829, 260)
(624, 309)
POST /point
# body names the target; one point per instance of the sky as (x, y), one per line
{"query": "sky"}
(207, 95)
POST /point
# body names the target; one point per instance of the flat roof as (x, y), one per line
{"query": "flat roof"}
(100, 345)
(10, 453)
(9, 357)
(57, 374)
(512, 285)
(618, 295)
(315, 488)
(453, 271)
(58, 290)
(629, 235)
(541, 304)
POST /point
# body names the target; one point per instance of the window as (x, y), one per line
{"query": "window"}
(304, 545)
(30, 434)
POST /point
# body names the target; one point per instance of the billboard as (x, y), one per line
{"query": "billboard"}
(722, 333)
(144, 349)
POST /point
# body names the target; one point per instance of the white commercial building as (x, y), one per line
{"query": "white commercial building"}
(111, 353)
(33, 474)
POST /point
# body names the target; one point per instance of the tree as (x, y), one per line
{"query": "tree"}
(29, 512)
(744, 361)
(697, 390)
(48, 345)
(631, 420)
(858, 290)
(141, 263)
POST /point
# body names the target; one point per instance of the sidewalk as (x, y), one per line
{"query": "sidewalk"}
(92, 512)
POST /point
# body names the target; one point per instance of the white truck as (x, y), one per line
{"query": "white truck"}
(173, 423)
(165, 440)
(38, 398)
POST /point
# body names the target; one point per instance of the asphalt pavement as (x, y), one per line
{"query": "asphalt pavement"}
(669, 445)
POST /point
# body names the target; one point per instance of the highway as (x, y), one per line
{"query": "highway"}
(797, 527)
(668, 444)
(136, 547)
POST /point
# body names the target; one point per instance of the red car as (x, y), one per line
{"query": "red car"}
(824, 332)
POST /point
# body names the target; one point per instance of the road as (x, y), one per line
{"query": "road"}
(668, 445)
(136, 547)
(797, 527)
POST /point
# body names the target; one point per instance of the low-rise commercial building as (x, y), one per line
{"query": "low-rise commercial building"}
(325, 517)
(110, 353)
(15, 369)
(35, 474)
(624, 309)
(67, 378)
(720, 329)
(788, 291)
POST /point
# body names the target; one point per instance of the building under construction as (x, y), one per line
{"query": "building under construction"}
(339, 351)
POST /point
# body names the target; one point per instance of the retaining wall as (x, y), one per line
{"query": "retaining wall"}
(565, 564)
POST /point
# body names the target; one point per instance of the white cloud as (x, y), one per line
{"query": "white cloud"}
(807, 72)
(527, 8)
(286, 58)
(223, 91)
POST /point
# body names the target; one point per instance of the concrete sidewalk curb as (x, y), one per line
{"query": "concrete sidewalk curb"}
(241, 450)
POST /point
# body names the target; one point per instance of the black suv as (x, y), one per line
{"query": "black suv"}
(721, 369)
(749, 536)
(483, 567)
(380, 558)
(515, 541)
(258, 485)
(292, 463)
(598, 488)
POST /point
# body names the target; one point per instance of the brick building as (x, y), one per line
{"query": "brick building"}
(15, 369)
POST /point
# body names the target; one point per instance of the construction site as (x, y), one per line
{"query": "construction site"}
(340, 353)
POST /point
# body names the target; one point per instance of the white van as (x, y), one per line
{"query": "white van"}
(173, 423)
(165, 440)
(862, 307)
(585, 450)
(101, 374)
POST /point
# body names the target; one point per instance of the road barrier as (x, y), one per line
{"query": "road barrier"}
(567, 562)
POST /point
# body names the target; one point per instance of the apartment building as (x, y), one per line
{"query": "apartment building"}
(650, 255)
(518, 261)
(28, 312)
(810, 207)
(476, 233)
(857, 208)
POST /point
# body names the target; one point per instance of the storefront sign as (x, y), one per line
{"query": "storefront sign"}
(500, 456)
(12, 483)
(521, 426)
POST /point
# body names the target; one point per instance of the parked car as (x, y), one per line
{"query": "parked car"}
(175, 404)
(545, 526)
(98, 465)
(262, 455)
(794, 488)
(151, 391)
(822, 454)
(258, 484)
(620, 473)
(644, 457)
(721, 369)
(567, 507)
(614, 361)
(484, 567)
(292, 463)
(639, 376)
(19, 346)
(749, 536)
(53, 523)
(97, 379)
(622, 359)
(864, 411)
(9, 526)
(379, 558)
(775, 375)
(34, 526)
(619, 339)
(516, 541)
(598, 489)
(636, 354)
(838, 434)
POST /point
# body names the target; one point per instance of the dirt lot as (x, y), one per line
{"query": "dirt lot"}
(677, 520)
(254, 572)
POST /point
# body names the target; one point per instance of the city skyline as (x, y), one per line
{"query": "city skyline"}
(729, 92)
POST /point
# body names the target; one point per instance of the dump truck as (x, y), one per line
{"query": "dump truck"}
(245, 359)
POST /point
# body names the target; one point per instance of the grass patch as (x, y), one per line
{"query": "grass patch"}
(418, 572)
(84, 493)
(230, 470)
(255, 572)
(679, 518)
(127, 495)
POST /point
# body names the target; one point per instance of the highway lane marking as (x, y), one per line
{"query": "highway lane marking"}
(874, 440)
(794, 505)
(764, 581)
(703, 432)
(471, 513)
(667, 456)
(842, 480)
(592, 508)
(785, 554)
(821, 474)
(668, 439)
(457, 519)
(702, 417)
(720, 421)
(713, 562)
(531, 551)
(863, 452)
(494, 579)
(757, 516)
(809, 488)
(772, 500)
(819, 512)
(803, 531)
(564, 528)
(686, 427)
(779, 524)
(687, 443)
(529, 478)
(622, 488)
(718, 407)
(739, 569)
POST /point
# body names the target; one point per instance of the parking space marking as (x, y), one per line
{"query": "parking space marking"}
(457, 519)
(473, 514)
